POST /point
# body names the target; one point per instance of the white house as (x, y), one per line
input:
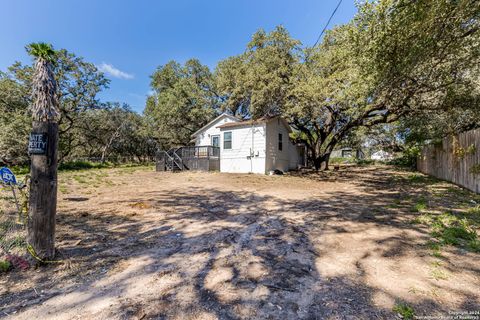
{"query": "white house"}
(252, 146)
(382, 156)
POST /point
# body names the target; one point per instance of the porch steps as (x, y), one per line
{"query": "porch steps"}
(204, 158)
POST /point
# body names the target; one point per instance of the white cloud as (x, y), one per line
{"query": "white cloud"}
(114, 72)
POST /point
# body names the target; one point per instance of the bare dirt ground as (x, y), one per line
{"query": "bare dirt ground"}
(136, 244)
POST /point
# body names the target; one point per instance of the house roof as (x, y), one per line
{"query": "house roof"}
(213, 121)
(253, 122)
(242, 123)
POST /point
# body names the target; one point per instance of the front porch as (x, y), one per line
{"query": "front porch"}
(201, 158)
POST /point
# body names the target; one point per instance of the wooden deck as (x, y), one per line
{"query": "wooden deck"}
(201, 158)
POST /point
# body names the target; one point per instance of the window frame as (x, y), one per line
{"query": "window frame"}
(225, 140)
(213, 137)
(280, 142)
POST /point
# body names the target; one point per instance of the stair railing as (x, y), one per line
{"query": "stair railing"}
(177, 159)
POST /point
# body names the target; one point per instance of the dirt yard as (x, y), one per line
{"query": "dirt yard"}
(353, 244)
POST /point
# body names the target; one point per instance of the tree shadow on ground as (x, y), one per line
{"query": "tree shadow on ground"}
(205, 252)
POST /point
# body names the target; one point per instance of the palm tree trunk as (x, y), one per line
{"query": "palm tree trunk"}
(43, 193)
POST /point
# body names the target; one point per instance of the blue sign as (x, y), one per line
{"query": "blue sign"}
(7, 176)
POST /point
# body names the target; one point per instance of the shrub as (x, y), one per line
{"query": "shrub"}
(5, 265)
(363, 162)
(451, 230)
(404, 310)
(408, 158)
(420, 205)
(20, 170)
(340, 160)
(82, 165)
(474, 245)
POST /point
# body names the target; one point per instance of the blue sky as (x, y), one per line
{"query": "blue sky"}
(129, 39)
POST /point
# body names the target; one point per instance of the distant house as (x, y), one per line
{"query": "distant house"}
(382, 156)
(347, 153)
(251, 146)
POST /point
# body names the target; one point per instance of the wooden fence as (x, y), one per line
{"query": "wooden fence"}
(455, 159)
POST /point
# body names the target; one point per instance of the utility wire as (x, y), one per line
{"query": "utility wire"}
(328, 22)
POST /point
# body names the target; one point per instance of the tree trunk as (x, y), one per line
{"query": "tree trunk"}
(326, 160)
(317, 161)
(104, 154)
(43, 193)
(323, 159)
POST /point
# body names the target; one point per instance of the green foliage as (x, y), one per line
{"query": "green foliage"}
(474, 245)
(18, 242)
(436, 271)
(418, 178)
(475, 169)
(412, 65)
(364, 162)
(420, 205)
(82, 165)
(20, 170)
(15, 121)
(42, 50)
(451, 230)
(336, 160)
(473, 214)
(458, 229)
(396, 60)
(258, 82)
(408, 159)
(184, 100)
(5, 266)
(436, 248)
(422, 219)
(404, 310)
(88, 128)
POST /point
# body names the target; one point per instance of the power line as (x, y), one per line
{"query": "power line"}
(328, 22)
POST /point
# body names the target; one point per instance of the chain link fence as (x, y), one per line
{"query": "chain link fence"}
(13, 219)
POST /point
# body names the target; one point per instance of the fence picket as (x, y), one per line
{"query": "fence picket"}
(456, 159)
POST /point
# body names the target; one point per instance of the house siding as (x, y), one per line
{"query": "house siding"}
(285, 159)
(204, 138)
(238, 159)
(254, 146)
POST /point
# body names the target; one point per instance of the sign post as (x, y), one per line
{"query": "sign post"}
(42, 147)
(8, 179)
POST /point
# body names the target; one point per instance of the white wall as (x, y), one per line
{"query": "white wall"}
(204, 138)
(277, 159)
(238, 159)
(294, 156)
(285, 159)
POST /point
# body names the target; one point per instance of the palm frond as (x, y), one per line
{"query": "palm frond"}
(44, 90)
(42, 50)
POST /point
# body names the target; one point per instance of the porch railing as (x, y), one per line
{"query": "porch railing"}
(185, 158)
(197, 152)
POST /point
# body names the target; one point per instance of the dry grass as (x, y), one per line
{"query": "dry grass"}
(149, 245)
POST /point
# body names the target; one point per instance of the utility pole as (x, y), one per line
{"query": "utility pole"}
(42, 147)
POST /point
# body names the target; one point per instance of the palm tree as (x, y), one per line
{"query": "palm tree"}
(44, 90)
(43, 171)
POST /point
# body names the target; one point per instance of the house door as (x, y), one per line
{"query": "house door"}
(216, 140)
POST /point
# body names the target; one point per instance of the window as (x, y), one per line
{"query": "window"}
(280, 142)
(227, 140)
(216, 140)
